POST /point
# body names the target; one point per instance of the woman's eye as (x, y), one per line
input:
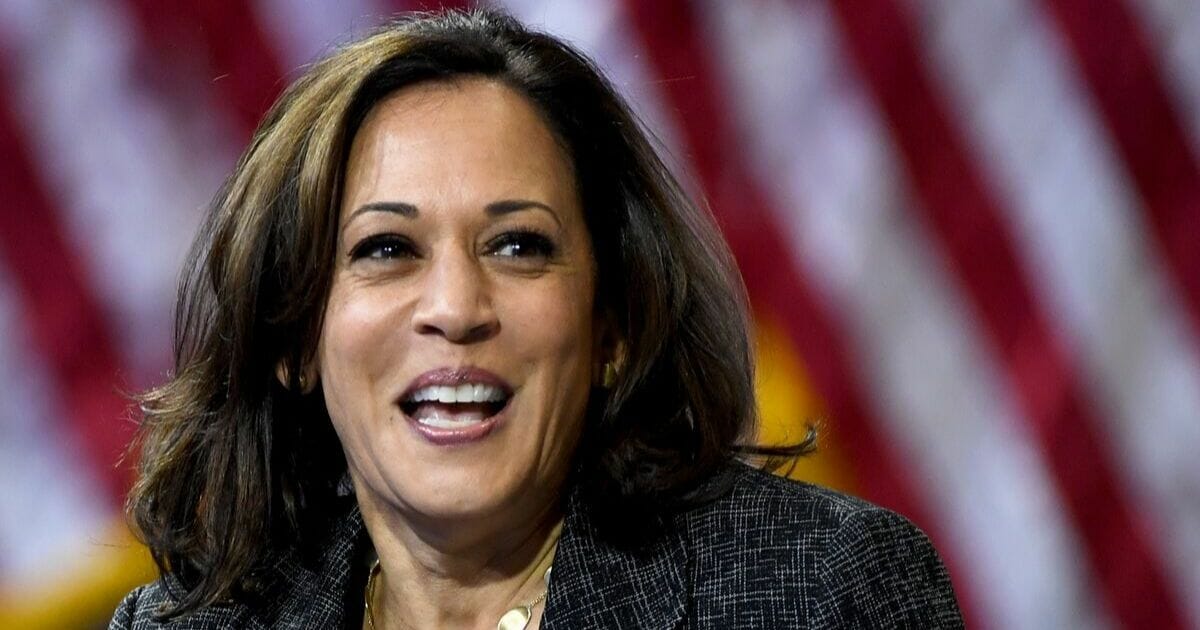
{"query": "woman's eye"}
(383, 246)
(522, 244)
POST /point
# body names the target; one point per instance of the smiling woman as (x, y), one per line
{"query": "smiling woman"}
(452, 323)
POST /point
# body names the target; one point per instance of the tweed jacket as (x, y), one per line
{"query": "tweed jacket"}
(770, 553)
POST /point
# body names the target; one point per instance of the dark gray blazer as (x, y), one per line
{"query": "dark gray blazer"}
(771, 553)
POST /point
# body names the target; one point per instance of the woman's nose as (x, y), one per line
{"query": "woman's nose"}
(455, 301)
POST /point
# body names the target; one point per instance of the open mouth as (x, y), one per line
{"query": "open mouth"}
(454, 406)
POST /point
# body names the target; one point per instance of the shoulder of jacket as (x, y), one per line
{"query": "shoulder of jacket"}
(768, 500)
(879, 570)
(810, 552)
(762, 515)
(295, 590)
(138, 609)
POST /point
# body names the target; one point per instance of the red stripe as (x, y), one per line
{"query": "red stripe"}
(224, 43)
(68, 328)
(1113, 55)
(966, 219)
(669, 32)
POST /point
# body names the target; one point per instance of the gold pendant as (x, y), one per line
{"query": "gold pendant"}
(515, 619)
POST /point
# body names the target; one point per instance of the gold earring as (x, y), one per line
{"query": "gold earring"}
(610, 374)
(283, 375)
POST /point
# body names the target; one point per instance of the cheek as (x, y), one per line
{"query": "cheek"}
(554, 332)
(357, 338)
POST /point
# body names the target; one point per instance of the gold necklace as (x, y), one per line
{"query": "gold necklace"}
(517, 617)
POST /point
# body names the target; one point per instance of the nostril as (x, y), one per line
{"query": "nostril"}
(461, 334)
(482, 331)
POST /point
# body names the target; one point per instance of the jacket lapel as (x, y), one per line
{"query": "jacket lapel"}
(595, 584)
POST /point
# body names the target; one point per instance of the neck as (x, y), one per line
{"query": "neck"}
(457, 575)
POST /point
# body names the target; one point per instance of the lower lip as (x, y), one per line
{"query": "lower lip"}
(460, 435)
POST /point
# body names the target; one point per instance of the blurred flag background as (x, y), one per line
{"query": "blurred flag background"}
(970, 230)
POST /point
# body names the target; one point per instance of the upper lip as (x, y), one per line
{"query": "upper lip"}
(454, 376)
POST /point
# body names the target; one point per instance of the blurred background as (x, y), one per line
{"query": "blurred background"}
(970, 230)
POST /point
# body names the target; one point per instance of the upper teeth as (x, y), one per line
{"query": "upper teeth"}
(465, 393)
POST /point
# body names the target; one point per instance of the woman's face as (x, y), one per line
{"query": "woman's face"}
(459, 339)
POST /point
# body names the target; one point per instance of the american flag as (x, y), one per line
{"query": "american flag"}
(970, 230)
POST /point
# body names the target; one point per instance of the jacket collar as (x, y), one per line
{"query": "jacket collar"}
(595, 583)
(317, 594)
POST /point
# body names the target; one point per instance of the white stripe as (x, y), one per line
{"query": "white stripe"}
(129, 172)
(823, 152)
(50, 508)
(599, 30)
(303, 32)
(1173, 38)
(595, 27)
(1080, 226)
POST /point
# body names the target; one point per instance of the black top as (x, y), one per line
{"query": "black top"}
(770, 553)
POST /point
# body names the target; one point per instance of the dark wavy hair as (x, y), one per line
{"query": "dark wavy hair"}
(235, 466)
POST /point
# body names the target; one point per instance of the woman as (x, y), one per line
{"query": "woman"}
(454, 350)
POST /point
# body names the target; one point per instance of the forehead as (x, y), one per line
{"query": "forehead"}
(463, 142)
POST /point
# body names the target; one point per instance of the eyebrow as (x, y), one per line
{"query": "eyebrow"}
(395, 207)
(507, 206)
(494, 209)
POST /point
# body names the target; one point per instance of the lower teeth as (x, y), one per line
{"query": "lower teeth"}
(448, 423)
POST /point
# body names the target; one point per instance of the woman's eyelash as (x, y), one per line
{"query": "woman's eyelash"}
(383, 246)
(522, 243)
(519, 243)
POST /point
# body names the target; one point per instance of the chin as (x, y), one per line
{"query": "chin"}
(449, 492)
